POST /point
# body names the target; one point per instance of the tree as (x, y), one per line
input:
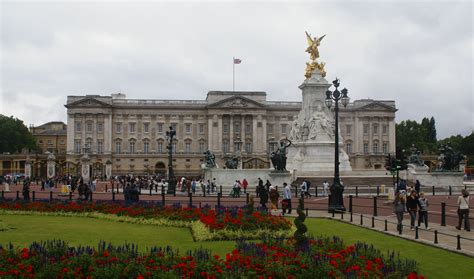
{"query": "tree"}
(14, 135)
(423, 135)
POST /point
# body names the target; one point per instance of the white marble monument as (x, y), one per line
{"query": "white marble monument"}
(312, 133)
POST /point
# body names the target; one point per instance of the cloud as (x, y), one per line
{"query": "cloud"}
(418, 54)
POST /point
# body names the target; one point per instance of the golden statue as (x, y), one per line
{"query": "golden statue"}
(313, 51)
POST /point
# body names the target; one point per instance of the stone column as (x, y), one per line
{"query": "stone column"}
(219, 131)
(108, 169)
(85, 168)
(28, 167)
(210, 133)
(242, 130)
(255, 148)
(231, 133)
(51, 172)
(70, 133)
(391, 136)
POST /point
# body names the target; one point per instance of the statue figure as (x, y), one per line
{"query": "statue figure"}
(319, 125)
(415, 157)
(297, 127)
(232, 163)
(313, 51)
(210, 159)
(278, 157)
(449, 159)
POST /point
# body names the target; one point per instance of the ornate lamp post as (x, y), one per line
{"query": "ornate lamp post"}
(171, 179)
(336, 202)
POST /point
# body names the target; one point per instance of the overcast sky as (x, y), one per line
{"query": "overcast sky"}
(419, 54)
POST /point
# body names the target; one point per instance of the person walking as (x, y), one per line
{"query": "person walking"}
(263, 195)
(244, 185)
(423, 213)
(286, 203)
(417, 186)
(26, 189)
(274, 196)
(412, 207)
(399, 210)
(267, 185)
(304, 189)
(463, 210)
(325, 188)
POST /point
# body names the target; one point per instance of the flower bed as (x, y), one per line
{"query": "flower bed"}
(220, 224)
(319, 258)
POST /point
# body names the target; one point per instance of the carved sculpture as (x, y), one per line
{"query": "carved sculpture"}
(232, 163)
(449, 160)
(210, 159)
(278, 157)
(313, 51)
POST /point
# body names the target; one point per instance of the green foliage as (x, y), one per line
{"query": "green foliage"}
(301, 228)
(423, 135)
(15, 135)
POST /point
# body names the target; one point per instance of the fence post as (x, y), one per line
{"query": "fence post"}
(150, 189)
(106, 188)
(361, 219)
(333, 213)
(416, 233)
(156, 188)
(50, 195)
(17, 195)
(350, 203)
(459, 242)
(70, 196)
(450, 191)
(342, 214)
(386, 225)
(378, 190)
(205, 190)
(443, 214)
(375, 206)
(247, 198)
(190, 199)
(3, 194)
(219, 199)
(113, 196)
(163, 198)
(351, 217)
(306, 212)
(220, 189)
(33, 195)
(373, 222)
(296, 191)
(436, 237)
(316, 191)
(162, 188)
(434, 190)
(357, 191)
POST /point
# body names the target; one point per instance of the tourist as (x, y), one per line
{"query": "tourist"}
(26, 189)
(213, 185)
(399, 210)
(244, 185)
(308, 185)
(304, 189)
(267, 185)
(286, 203)
(417, 186)
(412, 208)
(463, 210)
(208, 186)
(193, 186)
(325, 188)
(263, 194)
(423, 213)
(274, 196)
(260, 184)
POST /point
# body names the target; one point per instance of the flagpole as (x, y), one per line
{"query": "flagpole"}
(233, 74)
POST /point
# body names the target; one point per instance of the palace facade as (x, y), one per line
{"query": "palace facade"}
(131, 133)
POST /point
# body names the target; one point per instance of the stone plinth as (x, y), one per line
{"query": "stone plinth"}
(443, 178)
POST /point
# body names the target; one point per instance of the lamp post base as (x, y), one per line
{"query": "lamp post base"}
(171, 187)
(336, 199)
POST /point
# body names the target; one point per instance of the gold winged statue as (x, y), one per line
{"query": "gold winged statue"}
(313, 51)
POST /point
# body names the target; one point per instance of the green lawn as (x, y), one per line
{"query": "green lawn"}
(434, 263)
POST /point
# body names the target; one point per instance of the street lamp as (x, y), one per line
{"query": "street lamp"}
(336, 202)
(171, 179)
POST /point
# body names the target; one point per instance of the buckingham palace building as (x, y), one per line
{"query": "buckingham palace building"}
(130, 134)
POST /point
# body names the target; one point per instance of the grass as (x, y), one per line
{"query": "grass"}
(433, 262)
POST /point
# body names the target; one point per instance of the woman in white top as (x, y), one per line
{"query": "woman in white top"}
(463, 210)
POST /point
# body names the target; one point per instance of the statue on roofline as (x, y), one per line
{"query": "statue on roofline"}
(313, 51)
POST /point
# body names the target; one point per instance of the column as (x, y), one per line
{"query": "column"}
(391, 136)
(264, 134)
(209, 133)
(242, 130)
(70, 133)
(219, 129)
(108, 122)
(255, 148)
(231, 133)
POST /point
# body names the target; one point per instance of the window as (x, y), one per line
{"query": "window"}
(385, 148)
(174, 126)
(118, 147)
(375, 147)
(366, 148)
(40, 141)
(160, 147)
(187, 147)
(225, 146)
(131, 127)
(50, 142)
(248, 128)
(349, 148)
(61, 142)
(384, 129)
(159, 127)
(283, 128)
(89, 144)
(146, 128)
(99, 146)
(188, 128)
(376, 129)
(348, 129)
(77, 146)
(225, 128)
(237, 129)
(248, 147)
(78, 126)
(201, 147)
(270, 128)
(366, 129)
(146, 147)
(201, 129)
(99, 127)
(174, 147)
(89, 127)
(118, 127)
(132, 147)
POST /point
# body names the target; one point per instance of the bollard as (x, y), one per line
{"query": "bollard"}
(50, 195)
(416, 233)
(443, 214)
(70, 196)
(333, 213)
(156, 188)
(90, 196)
(307, 212)
(296, 191)
(386, 225)
(351, 216)
(450, 191)
(106, 189)
(199, 204)
(162, 198)
(220, 189)
(433, 190)
(3, 194)
(361, 219)
(316, 191)
(17, 195)
(150, 190)
(190, 199)
(357, 191)
(342, 215)
(113, 188)
(459, 242)
(247, 200)
(162, 188)
(378, 191)
(375, 206)
(33, 195)
(401, 229)
(113, 195)
(350, 203)
(373, 222)
(436, 237)
(219, 200)
(205, 190)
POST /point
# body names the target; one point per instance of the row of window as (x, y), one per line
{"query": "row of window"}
(375, 129)
(375, 148)
(50, 142)
(131, 147)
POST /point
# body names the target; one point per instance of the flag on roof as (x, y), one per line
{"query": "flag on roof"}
(237, 61)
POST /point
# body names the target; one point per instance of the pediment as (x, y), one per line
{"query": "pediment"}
(238, 102)
(377, 106)
(88, 102)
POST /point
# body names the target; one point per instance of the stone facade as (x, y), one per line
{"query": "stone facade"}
(131, 133)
